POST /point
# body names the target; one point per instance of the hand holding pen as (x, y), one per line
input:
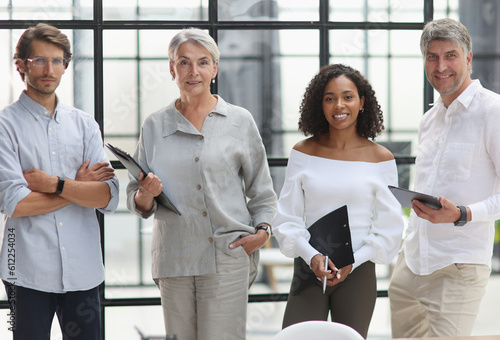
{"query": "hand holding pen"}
(324, 277)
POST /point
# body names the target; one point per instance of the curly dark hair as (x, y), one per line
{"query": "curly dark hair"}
(312, 120)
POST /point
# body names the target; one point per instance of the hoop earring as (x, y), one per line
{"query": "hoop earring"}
(362, 110)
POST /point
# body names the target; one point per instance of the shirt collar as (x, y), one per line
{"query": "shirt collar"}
(35, 109)
(174, 121)
(465, 98)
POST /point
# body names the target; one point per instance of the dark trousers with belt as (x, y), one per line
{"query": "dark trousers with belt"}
(350, 302)
(32, 312)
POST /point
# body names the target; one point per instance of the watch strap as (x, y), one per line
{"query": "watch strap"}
(60, 185)
(463, 216)
(266, 228)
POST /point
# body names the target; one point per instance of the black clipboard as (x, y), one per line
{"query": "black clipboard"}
(405, 196)
(330, 235)
(135, 169)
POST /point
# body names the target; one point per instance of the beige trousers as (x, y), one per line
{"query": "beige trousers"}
(208, 307)
(444, 303)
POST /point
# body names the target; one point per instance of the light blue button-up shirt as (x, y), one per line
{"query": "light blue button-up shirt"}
(58, 251)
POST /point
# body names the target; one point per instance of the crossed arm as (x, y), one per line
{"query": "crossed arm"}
(87, 190)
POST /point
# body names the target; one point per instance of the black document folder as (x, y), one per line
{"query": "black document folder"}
(330, 235)
(135, 169)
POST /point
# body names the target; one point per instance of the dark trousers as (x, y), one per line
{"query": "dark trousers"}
(32, 312)
(350, 302)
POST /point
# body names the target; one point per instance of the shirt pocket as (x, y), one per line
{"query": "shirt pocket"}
(72, 160)
(456, 162)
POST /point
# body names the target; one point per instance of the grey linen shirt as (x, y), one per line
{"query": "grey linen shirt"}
(58, 251)
(218, 179)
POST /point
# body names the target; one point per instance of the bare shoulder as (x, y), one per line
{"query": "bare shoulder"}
(307, 146)
(380, 153)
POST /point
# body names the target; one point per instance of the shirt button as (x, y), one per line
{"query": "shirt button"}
(61, 224)
(201, 137)
(196, 159)
(63, 248)
(204, 214)
(210, 239)
(198, 187)
(53, 152)
(210, 114)
(50, 129)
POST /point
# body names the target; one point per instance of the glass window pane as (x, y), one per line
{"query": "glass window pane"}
(35, 10)
(358, 42)
(252, 74)
(157, 89)
(405, 43)
(155, 10)
(121, 255)
(154, 43)
(294, 84)
(406, 110)
(353, 10)
(406, 11)
(120, 97)
(121, 322)
(376, 11)
(119, 44)
(261, 10)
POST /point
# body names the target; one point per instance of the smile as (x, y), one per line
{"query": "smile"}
(443, 76)
(340, 116)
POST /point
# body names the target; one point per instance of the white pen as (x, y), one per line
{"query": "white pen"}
(324, 277)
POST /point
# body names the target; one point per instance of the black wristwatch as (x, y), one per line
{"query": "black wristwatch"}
(60, 186)
(266, 228)
(463, 216)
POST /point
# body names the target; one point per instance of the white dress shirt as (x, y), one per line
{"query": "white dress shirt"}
(58, 251)
(458, 157)
(315, 186)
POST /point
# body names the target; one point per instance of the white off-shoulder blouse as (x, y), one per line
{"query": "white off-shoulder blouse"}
(315, 186)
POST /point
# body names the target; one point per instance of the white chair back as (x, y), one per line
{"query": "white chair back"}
(318, 330)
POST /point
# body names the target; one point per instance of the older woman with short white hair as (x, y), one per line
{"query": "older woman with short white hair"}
(208, 156)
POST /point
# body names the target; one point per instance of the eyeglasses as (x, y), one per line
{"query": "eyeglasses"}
(42, 62)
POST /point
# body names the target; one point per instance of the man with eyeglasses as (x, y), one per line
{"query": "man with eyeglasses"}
(54, 173)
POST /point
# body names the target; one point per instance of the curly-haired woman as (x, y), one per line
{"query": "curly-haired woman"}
(339, 165)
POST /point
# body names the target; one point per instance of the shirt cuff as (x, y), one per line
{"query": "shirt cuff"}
(478, 212)
(305, 250)
(362, 255)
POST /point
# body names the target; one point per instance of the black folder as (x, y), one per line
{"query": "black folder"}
(330, 235)
(135, 169)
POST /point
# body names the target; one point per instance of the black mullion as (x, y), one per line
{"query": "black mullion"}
(324, 33)
(428, 90)
(99, 117)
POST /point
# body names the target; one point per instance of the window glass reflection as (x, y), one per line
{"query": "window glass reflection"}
(405, 43)
(122, 249)
(376, 11)
(155, 10)
(37, 10)
(120, 97)
(262, 10)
